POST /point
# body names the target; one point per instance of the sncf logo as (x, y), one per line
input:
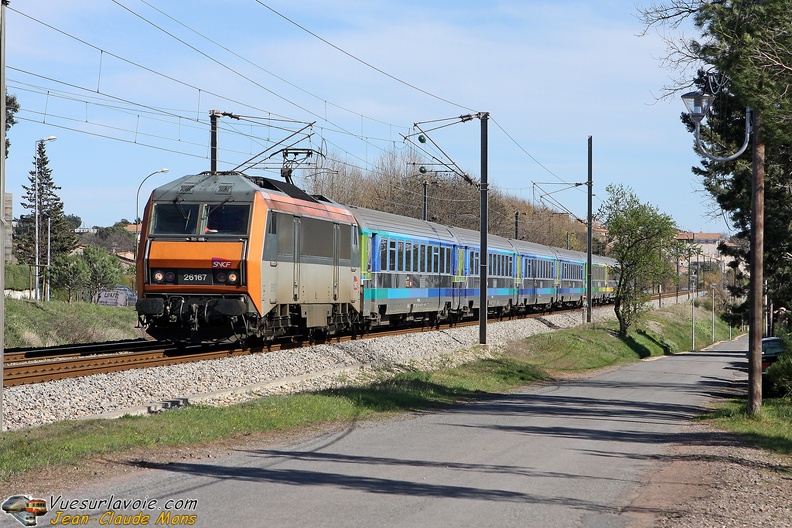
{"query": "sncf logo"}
(220, 263)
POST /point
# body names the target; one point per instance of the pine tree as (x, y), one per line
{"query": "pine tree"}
(53, 229)
(12, 107)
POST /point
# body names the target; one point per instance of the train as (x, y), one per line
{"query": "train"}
(224, 256)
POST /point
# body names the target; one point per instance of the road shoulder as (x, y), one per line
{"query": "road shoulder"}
(715, 481)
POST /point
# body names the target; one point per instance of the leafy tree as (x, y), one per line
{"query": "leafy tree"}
(53, 226)
(69, 273)
(104, 271)
(111, 239)
(12, 107)
(74, 221)
(637, 233)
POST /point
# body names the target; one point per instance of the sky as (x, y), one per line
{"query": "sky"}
(127, 86)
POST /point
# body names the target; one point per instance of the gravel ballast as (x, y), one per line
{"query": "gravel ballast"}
(230, 380)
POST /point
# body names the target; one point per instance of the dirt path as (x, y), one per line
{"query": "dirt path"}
(715, 482)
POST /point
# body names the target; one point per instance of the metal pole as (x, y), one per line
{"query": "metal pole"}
(484, 254)
(49, 251)
(425, 197)
(516, 225)
(690, 269)
(713, 313)
(3, 223)
(213, 140)
(660, 285)
(36, 223)
(589, 219)
(693, 320)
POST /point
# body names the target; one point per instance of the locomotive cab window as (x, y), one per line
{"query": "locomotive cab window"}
(179, 218)
(227, 219)
(175, 219)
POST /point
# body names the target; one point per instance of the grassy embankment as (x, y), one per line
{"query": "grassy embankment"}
(31, 324)
(541, 357)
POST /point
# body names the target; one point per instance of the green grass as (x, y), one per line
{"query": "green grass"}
(771, 429)
(33, 324)
(523, 362)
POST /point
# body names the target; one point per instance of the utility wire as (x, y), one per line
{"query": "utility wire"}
(341, 129)
(259, 67)
(353, 57)
(243, 76)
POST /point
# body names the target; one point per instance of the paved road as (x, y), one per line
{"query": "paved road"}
(565, 455)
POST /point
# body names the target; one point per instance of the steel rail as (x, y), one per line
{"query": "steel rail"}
(27, 366)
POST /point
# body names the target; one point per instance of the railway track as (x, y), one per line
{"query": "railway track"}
(27, 366)
(16, 355)
(40, 365)
(21, 369)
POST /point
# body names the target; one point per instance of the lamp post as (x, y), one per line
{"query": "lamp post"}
(36, 210)
(712, 286)
(698, 105)
(692, 289)
(137, 208)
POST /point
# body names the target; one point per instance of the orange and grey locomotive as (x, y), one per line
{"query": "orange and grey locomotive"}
(225, 255)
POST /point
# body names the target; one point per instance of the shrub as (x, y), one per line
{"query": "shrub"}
(17, 276)
(779, 375)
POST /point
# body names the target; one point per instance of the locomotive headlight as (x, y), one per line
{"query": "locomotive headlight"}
(158, 276)
(170, 276)
(233, 277)
(221, 277)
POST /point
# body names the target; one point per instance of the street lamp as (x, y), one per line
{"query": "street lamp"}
(36, 210)
(137, 208)
(698, 105)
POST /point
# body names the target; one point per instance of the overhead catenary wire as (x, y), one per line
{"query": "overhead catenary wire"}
(179, 116)
(351, 56)
(168, 77)
(258, 66)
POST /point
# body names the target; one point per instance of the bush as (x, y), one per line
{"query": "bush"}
(17, 277)
(779, 375)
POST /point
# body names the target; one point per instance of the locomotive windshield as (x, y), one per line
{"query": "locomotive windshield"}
(199, 219)
(175, 219)
(227, 219)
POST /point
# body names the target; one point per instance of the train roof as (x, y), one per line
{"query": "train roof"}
(469, 237)
(206, 187)
(532, 248)
(378, 221)
(570, 255)
(607, 261)
(279, 195)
